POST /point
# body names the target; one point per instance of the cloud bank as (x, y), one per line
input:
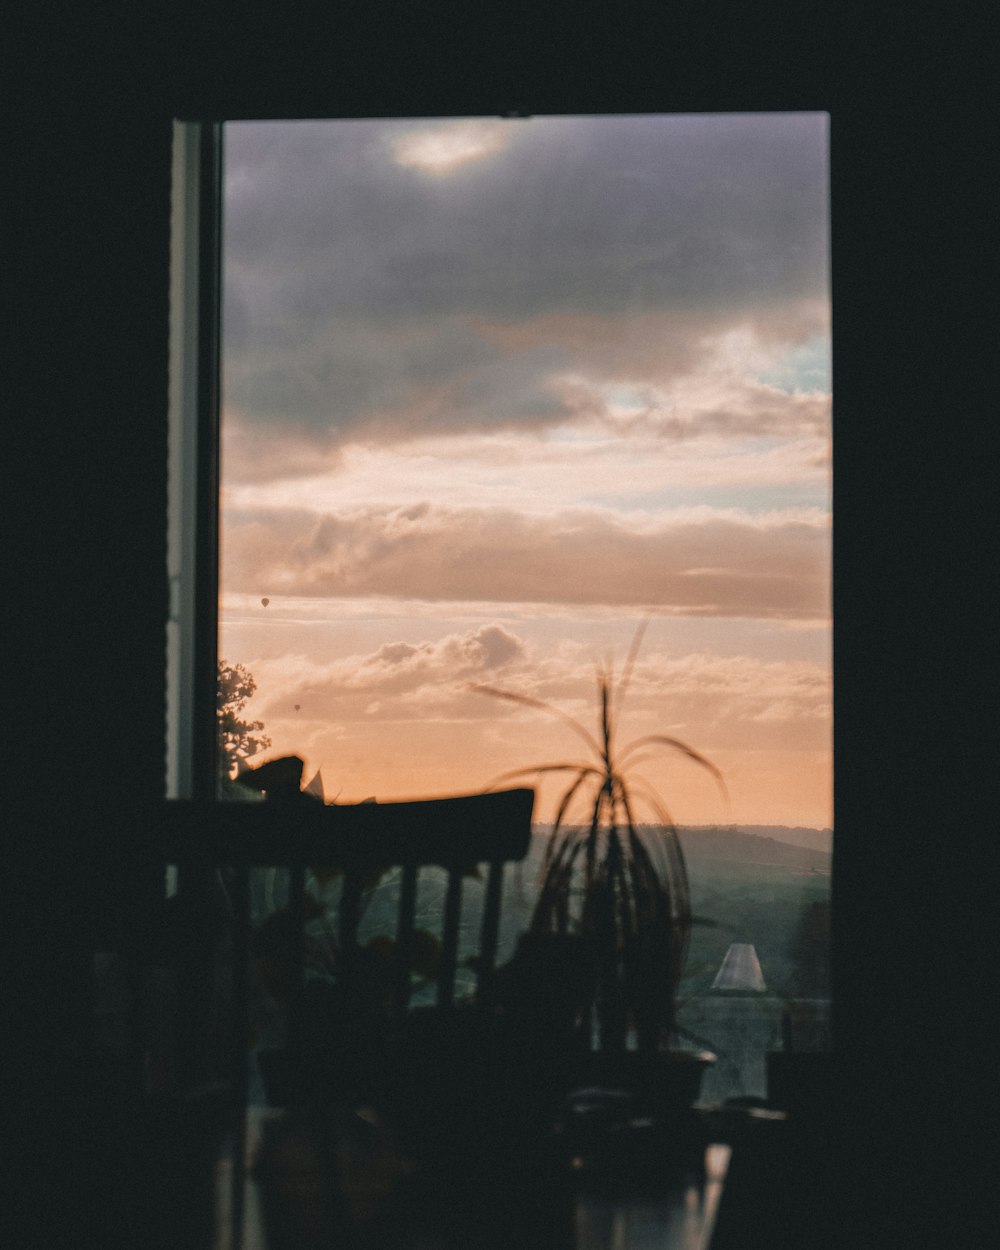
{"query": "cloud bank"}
(714, 698)
(698, 562)
(364, 299)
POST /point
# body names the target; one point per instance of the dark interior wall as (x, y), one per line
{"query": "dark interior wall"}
(87, 440)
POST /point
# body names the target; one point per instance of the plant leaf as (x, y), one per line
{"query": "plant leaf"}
(633, 654)
(567, 767)
(526, 701)
(677, 745)
(557, 825)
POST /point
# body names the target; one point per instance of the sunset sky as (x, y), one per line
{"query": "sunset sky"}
(496, 391)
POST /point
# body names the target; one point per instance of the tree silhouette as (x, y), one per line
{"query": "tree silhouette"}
(238, 739)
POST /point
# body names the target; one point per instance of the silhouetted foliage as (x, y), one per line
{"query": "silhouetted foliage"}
(238, 739)
(618, 889)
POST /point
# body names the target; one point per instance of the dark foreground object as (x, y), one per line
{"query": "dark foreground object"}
(780, 1187)
(453, 1148)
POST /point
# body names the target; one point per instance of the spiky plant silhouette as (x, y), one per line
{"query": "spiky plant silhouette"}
(620, 887)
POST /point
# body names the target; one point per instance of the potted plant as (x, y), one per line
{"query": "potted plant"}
(617, 890)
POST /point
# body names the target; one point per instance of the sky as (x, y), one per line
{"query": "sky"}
(495, 393)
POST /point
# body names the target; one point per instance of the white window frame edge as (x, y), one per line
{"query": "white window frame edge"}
(181, 448)
(191, 474)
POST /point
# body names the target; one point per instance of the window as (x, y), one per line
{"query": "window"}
(493, 393)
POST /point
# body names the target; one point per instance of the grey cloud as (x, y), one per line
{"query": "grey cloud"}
(394, 379)
(353, 284)
(690, 208)
(400, 382)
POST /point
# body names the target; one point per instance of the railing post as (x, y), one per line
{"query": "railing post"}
(489, 934)
(449, 938)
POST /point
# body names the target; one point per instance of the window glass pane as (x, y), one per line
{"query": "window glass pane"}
(495, 392)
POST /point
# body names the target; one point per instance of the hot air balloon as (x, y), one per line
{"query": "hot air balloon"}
(265, 602)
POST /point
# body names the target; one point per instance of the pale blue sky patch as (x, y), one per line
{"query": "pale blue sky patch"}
(804, 368)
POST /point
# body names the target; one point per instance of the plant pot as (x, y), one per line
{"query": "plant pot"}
(630, 1119)
(660, 1084)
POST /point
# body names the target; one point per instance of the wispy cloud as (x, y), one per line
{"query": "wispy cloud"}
(401, 679)
(713, 699)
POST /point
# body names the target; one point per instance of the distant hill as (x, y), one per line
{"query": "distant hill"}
(753, 845)
(794, 835)
(796, 848)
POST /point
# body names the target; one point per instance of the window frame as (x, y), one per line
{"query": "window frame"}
(194, 520)
(194, 417)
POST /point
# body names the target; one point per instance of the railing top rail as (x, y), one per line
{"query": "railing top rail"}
(461, 830)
